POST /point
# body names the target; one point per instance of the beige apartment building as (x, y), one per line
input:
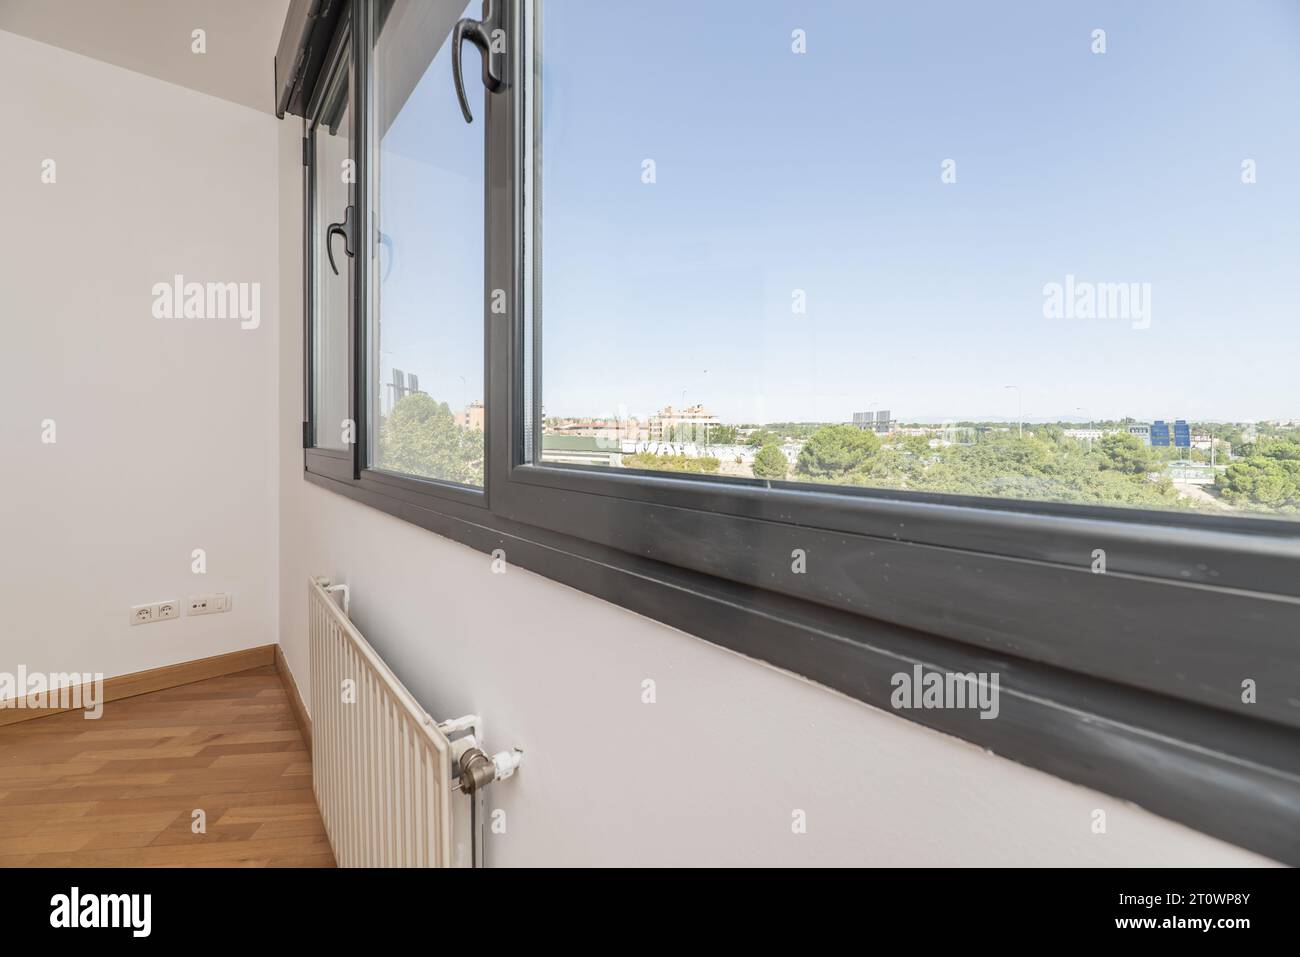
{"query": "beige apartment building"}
(684, 425)
(471, 417)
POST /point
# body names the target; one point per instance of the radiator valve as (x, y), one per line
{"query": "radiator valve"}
(477, 770)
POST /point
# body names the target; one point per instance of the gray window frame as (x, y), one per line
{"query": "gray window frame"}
(1127, 681)
(336, 463)
(351, 48)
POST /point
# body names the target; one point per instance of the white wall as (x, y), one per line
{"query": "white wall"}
(165, 429)
(155, 37)
(710, 773)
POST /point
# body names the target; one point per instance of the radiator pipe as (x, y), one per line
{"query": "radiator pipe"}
(347, 597)
(477, 771)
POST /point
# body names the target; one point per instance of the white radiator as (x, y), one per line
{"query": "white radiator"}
(381, 768)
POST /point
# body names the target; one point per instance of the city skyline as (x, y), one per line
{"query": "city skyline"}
(938, 420)
(989, 416)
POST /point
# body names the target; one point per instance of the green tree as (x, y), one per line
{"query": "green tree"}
(914, 444)
(420, 437)
(1269, 478)
(671, 463)
(835, 451)
(721, 434)
(1003, 465)
(1122, 452)
(770, 463)
(764, 437)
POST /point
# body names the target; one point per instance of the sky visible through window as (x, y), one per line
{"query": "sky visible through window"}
(822, 172)
(1004, 212)
(429, 328)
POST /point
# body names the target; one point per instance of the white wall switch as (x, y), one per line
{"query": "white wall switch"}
(208, 604)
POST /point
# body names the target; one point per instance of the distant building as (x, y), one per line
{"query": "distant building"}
(1089, 435)
(472, 417)
(682, 425)
(874, 421)
(402, 385)
(1142, 431)
(615, 430)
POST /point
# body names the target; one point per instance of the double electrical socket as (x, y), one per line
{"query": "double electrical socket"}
(194, 605)
(158, 611)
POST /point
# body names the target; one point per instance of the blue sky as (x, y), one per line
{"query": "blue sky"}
(431, 206)
(821, 172)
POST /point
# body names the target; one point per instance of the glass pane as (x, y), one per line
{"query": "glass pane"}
(427, 337)
(332, 141)
(983, 249)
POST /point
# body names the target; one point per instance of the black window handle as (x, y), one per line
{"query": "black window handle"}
(480, 33)
(343, 229)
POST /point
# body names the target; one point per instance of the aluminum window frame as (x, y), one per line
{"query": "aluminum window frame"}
(1127, 681)
(354, 38)
(334, 463)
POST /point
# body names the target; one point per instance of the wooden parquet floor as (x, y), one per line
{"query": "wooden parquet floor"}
(121, 791)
